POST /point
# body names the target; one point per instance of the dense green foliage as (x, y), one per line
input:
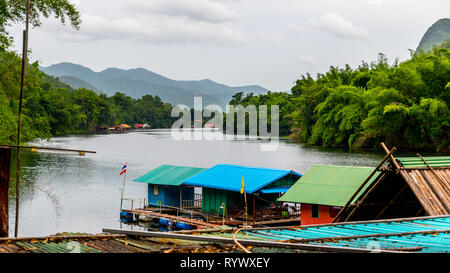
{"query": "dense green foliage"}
(403, 104)
(53, 108)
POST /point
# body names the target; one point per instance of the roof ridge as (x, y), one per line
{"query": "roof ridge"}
(251, 167)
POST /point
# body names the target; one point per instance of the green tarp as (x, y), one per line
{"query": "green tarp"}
(169, 175)
(328, 185)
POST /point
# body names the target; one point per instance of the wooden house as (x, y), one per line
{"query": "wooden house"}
(221, 186)
(324, 190)
(165, 186)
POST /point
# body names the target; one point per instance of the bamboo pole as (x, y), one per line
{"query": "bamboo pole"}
(238, 244)
(383, 176)
(363, 184)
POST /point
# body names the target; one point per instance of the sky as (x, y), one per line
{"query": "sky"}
(235, 42)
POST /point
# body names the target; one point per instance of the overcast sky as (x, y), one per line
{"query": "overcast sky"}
(235, 42)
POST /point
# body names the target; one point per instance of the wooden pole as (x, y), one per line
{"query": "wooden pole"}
(181, 196)
(5, 163)
(19, 120)
(123, 188)
(246, 212)
(254, 209)
(363, 184)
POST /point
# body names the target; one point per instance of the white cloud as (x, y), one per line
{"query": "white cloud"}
(197, 10)
(158, 29)
(340, 27)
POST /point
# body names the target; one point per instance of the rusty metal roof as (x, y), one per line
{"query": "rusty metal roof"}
(103, 244)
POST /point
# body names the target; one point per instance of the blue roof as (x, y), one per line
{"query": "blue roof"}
(427, 234)
(275, 190)
(229, 177)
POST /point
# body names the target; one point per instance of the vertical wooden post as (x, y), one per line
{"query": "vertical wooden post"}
(181, 196)
(5, 162)
(254, 209)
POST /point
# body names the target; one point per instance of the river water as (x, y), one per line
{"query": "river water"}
(67, 193)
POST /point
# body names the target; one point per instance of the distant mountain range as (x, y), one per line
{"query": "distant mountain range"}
(139, 82)
(437, 34)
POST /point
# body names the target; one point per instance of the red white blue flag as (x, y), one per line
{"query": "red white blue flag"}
(124, 169)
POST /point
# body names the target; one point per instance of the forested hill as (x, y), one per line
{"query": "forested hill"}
(402, 104)
(52, 107)
(435, 35)
(139, 82)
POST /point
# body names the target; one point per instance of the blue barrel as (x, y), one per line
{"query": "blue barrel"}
(164, 222)
(183, 226)
(126, 215)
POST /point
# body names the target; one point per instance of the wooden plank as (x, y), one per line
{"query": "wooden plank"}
(277, 221)
(5, 162)
(63, 237)
(261, 243)
(177, 218)
(47, 148)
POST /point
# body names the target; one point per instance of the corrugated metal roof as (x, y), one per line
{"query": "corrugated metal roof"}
(423, 235)
(106, 244)
(275, 190)
(417, 162)
(328, 185)
(169, 175)
(229, 177)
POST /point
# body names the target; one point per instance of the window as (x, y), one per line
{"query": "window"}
(155, 190)
(314, 211)
(334, 211)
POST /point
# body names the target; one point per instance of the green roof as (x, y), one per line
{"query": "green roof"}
(169, 175)
(417, 162)
(329, 185)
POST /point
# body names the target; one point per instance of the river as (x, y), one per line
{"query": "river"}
(67, 193)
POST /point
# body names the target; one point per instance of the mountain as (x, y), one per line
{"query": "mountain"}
(77, 83)
(438, 33)
(139, 82)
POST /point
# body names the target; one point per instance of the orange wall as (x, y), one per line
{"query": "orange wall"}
(324, 215)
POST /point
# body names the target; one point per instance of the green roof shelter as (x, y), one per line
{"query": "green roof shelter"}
(165, 185)
(324, 190)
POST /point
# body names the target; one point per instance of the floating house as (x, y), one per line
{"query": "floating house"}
(141, 126)
(407, 187)
(324, 190)
(125, 127)
(221, 186)
(165, 186)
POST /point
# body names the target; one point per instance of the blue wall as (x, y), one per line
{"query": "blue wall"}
(169, 195)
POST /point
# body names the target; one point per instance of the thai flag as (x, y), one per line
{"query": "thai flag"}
(124, 169)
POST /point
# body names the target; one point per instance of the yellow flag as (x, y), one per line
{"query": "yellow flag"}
(242, 185)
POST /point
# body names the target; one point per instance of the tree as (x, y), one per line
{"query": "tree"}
(14, 11)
